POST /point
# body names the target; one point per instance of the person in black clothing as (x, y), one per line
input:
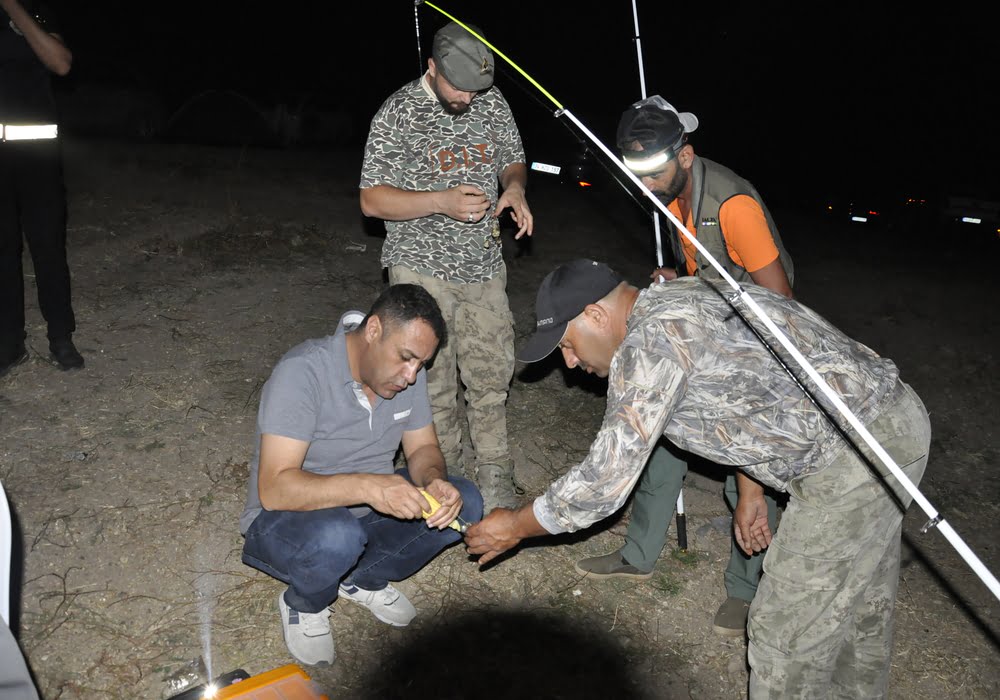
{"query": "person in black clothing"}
(32, 195)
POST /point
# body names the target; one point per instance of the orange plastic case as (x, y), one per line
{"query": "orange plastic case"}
(284, 683)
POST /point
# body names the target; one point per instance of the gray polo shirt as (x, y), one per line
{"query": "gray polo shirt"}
(311, 396)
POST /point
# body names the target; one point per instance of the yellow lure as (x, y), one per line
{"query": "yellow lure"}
(454, 524)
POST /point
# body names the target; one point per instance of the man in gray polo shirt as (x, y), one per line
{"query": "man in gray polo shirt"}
(325, 511)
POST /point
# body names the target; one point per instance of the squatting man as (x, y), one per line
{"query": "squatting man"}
(325, 512)
(684, 363)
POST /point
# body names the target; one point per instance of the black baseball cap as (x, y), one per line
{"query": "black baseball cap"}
(562, 296)
(462, 59)
(655, 125)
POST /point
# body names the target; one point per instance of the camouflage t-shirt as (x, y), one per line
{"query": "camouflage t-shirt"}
(691, 369)
(414, 144)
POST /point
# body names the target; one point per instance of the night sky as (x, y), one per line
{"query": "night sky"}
(819, 97)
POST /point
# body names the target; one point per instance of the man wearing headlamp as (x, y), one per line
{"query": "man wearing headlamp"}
(723, 210)
(727, 215)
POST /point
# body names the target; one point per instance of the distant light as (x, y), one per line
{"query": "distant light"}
(860, 219)
(584, 183)
(971, 220)
(829, 207)
(873, 213)
(546, 168)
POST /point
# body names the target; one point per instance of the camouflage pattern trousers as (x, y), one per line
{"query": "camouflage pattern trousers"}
(821, 623)
(481, 349)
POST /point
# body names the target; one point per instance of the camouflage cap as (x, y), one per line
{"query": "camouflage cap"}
(462, 59)
(562, 296)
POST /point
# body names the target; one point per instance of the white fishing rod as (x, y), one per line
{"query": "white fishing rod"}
(682, 540)
(936, 520)
(642, 90)
(420, 53)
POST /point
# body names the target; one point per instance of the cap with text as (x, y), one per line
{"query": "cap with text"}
(562, 296)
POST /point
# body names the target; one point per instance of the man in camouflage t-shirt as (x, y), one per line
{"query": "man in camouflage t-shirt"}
(443, 160)
(684, 362)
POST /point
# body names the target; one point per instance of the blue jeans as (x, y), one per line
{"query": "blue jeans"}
(313, 551)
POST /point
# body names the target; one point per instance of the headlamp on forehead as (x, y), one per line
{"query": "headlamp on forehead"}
(644, 163)
(651, 133)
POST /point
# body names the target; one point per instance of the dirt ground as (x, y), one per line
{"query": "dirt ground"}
(195, 269)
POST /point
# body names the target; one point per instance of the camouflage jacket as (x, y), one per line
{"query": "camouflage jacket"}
(413, 144)
(693, 370)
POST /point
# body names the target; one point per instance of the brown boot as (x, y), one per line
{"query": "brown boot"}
(731, 619)
(612, 565)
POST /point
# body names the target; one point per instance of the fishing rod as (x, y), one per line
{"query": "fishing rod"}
(416, 25)
(642, 90)
(681, 517)
(741, 295)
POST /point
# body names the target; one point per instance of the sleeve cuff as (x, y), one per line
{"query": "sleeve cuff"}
(544, 517)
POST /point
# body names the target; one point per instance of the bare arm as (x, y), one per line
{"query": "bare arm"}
(282, 484)
(514, 176)
(513, 180)
(49, 48)
(423, 455)
(462, 203)
(773, 277)
(745, 227)
(428, 471)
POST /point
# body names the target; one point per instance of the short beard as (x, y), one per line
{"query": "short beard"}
(676, 186)
(453, 108)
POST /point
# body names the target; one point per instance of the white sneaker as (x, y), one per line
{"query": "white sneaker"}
(388, 605)
(307, 635)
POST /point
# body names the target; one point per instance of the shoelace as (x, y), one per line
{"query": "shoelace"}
(314, 624)
(388, 594)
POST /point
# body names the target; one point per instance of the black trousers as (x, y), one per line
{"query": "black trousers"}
(33, 208)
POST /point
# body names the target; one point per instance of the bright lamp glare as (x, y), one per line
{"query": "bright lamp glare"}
(860, 219)
(210, 691)
(971, 220)
(641, 166)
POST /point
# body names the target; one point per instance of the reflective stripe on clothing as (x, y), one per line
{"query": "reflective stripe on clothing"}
(28, 132)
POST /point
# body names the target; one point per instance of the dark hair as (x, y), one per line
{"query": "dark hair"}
(399, 304)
